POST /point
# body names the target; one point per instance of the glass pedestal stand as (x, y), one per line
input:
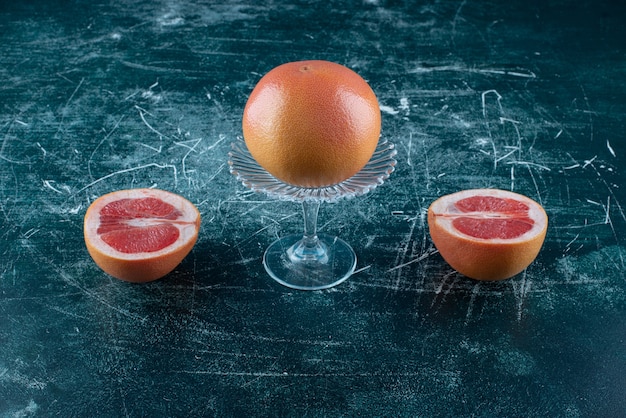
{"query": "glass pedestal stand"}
(311, 261)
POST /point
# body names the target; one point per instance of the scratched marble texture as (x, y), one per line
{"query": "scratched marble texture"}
(99, 96)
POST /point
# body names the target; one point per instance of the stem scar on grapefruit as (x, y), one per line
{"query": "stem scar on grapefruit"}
(312, 123)
(140, 235)
(487, 234)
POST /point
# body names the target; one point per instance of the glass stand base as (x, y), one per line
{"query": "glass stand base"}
(293, 264)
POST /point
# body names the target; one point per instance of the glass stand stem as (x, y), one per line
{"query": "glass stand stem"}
(309, 248)
(311, 261)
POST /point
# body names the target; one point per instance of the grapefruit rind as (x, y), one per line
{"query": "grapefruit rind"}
(142, 266)
(485, 259)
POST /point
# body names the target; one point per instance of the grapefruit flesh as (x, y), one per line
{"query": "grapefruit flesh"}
(140, 235)
(138, 225)
(312, 123)
(487, 234)
(497, 217)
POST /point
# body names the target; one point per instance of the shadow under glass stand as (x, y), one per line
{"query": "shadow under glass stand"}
(311, 261)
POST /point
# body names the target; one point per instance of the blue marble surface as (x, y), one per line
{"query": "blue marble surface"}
(521, 95)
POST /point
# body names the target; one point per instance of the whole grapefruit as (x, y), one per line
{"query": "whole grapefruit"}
(312, 123)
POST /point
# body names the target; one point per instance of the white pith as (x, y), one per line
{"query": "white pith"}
(445, 212)
(186, 224)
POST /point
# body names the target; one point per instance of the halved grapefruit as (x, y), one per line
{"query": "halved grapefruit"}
(487, 234)
(140, 235)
